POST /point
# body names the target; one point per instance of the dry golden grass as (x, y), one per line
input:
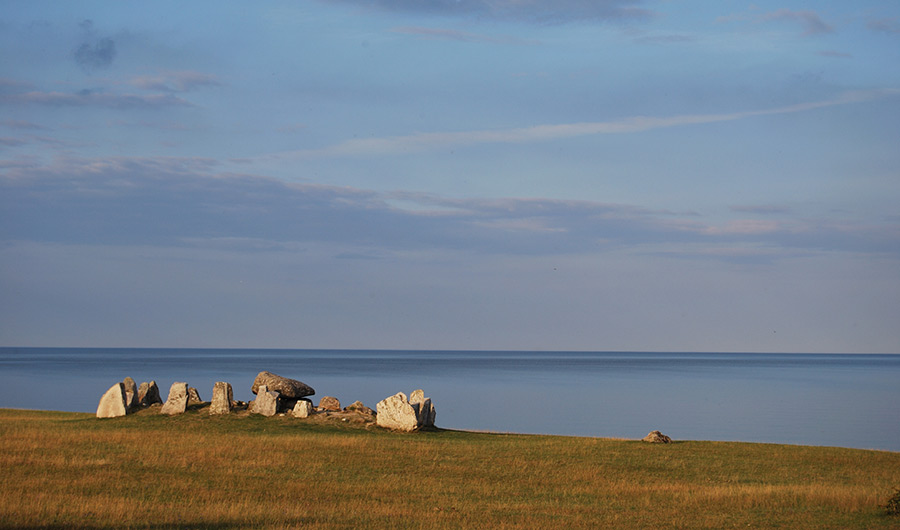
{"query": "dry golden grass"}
(64, 470)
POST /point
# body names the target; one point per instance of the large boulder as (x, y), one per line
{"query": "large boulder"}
(266, 403)
(176, 403)
(425, 410)
(288, 388)
(657, 437)
(329, 404)
(112, 403)
(221, 398)
(395, 412)
(148, 394)
(303, 409)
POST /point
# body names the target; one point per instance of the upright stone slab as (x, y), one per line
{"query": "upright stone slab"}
(194, 396)
(112, 403)
(131, 393)
(396, 413)
(303, 409)
(266, 403)
(221, 398)
(425, 410)
(177, 400)
(148, 394)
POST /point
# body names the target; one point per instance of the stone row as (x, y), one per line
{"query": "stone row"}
(274, 394)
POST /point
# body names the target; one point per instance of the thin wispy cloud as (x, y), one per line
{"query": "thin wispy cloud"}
(182, 81)
(885, 25)
(535, 11)
(418, 142)
(810, 21)
(186, 201)
(460, 36)
(90, 98)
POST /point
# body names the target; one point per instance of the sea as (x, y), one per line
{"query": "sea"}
(845, 400)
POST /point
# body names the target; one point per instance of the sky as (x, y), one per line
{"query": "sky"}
(629, 175)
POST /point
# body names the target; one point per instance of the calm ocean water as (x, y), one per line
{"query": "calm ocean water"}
(810, 399)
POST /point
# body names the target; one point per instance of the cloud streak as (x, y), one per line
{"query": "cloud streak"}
(90, 98)
(459, 36)
(534, 11)
(188, 201)
(394, 145)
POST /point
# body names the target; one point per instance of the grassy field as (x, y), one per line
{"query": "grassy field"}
(70, 470)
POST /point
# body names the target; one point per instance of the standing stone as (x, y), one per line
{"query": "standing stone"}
(266, 403)
(425, 410)
(330, 404)
(112, 403)
(221, 398)
(303, 408)
(177, 400)
(657, 437)
(289, 388)
(193, 396)
(148, 394)
(131, 393)
(395, 412)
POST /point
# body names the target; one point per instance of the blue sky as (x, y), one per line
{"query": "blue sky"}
(472, 174)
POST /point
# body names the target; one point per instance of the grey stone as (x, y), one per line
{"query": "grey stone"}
(266, 403)
(112, 403)
(131, 393)
(222, 398)
(657, 437)
(303, 408)
(357, 406)
(176, 403)
(289, 388)
(425, 410)
(193, 396)
(329, 404)
(148, 394)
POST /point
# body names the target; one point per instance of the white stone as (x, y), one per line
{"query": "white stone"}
(395, 412)
(176, 403)
(112, 403)
(266, 403)
(221, 398)
(303, 408)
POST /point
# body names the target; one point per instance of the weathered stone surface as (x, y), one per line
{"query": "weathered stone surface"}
(425, 410)
(148, 394)
(657, 437)
(266, 403)
(176, 403)
(193, 396)
(395, 412)
(357, 406)
(112, 403)
(329, 404)
(222, 397)
(131, 393)
(289, 388)
(303, 408)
